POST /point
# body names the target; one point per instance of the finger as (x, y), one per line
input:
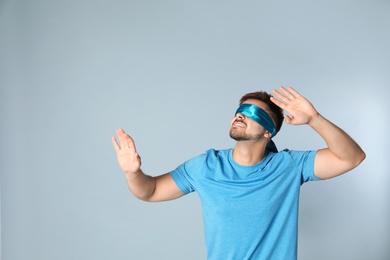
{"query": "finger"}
(130, 142)
(280, 96)
(115, 144)
(126, 140)
(287, 119)
(278, 103)
(120, 132)
(137, 157)
(293, 91)
(122, 137)
(287, 93)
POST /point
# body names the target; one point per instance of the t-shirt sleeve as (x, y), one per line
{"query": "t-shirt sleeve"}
(304, 161)
(185, 174)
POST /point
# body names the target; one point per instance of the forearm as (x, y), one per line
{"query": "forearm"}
(339, 143)
(141, 185)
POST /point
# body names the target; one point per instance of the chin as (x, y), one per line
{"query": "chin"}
(238, 137)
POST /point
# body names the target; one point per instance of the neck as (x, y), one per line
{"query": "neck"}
(248, 153)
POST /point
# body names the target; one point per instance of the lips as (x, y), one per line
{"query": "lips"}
(239, 123)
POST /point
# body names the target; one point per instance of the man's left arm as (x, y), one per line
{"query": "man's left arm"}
(342, 153)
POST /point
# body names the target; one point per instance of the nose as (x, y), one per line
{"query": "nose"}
(240, 116)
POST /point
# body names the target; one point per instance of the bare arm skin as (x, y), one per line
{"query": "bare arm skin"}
(144, 187)
(342, 154)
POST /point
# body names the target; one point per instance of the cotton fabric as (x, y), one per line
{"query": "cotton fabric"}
(249, 212)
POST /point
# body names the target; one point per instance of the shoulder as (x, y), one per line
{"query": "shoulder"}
(295, 154)
(298, 161)
(210, 156)
(292, 157)
(213, 155)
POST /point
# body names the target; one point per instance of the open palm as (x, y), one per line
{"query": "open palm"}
(128, 158)
(300, 110)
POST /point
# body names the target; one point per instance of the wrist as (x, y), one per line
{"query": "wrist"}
(132, 174)
(315, 119)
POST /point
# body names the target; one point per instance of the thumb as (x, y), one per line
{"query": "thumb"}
(287, 119)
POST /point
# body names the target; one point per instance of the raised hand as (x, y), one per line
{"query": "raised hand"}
(128, 158)
(301, 111)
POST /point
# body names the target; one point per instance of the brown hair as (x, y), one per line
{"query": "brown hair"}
(275, 112)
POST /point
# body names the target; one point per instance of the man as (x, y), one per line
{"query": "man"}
(249, 194)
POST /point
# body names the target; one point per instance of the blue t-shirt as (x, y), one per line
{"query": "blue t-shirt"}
(249, 212)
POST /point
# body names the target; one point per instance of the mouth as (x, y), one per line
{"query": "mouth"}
(239, 123)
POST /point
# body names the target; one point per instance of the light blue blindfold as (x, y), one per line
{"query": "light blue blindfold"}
(259, 115)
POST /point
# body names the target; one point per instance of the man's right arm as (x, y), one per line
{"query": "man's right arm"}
(144, 187)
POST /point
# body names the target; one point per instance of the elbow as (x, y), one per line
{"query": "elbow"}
(362, 157)
(354, 161)
(142, 198)
(143, 195)
(146, 197)
(359, 158)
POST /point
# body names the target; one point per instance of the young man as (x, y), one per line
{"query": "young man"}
(249, 194)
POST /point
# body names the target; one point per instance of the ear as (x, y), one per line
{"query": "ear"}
(267, 134)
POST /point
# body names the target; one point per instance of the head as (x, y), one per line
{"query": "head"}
(273, 110)
(254, 130)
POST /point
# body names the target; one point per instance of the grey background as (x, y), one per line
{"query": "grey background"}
(171, 74)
